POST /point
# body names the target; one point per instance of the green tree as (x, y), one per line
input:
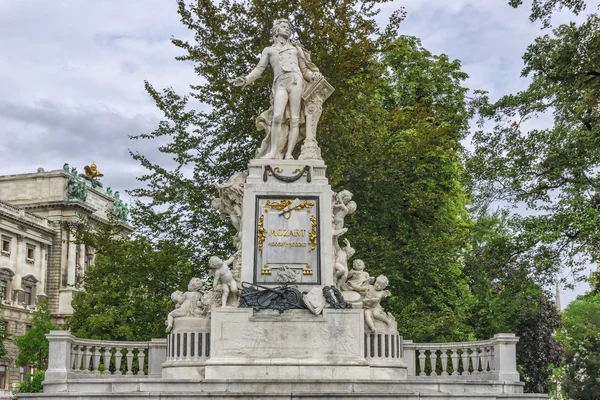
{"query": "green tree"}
(581, 337)
(33, 346)
(506, 298)
(127, 290)
(554, 171)
(390, 133)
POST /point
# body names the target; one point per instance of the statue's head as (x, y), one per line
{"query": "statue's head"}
(195, 285)
(214, 262)
(358, 265)
(381, 282)
(281, 27)
(345, 196)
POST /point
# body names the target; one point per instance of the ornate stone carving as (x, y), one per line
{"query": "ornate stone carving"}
(314, 300)
(229, 202)
(340, 268)
(286, 275)
(298, 87)
(359, 279)
(342, 205)
(372, 297)
(224, 281)
(192, 303)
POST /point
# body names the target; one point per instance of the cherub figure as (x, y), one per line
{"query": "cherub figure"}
(359, 279)
(187, 303)
(372, 303)
(342, 206)
(229, 202)
(224, 281)
(340, 268)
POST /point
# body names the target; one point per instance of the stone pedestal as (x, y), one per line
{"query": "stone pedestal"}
(287, 223)
(248, 344)
(188, 348)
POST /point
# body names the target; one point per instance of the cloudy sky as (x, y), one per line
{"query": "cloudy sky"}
(72, 72)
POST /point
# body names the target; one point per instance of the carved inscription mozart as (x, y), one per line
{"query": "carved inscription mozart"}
(287, 236)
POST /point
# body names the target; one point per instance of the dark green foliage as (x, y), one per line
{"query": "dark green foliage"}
(581, 338)
(506, 298)
(33, 346)
(32, 383)
(127, 290)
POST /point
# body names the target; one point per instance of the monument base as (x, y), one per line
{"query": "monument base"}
(264, 344)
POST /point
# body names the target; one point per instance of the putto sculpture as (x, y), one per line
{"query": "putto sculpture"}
(223, 279)
(297, 84)
(188, 304)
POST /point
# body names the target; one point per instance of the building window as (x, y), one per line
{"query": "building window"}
(2, 376)
(28, 295)
(2, 289)
(30, 254)
(5, 246)
(23, 371)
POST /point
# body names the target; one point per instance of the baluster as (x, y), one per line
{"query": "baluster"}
(421, 360)
(465, 361)
(444, 358)
(78, 365)
(96, 360)
(484, 360)
(87, 355)
(107, 356)
(433, 359)
(118, 356)
(73, 355)
(454, 358)
(129, 356)
(476, 357)
(141, 357)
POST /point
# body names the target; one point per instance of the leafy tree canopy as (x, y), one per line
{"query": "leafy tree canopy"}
(33, 346)
(127, 290)
(581, 338)
(554, 171)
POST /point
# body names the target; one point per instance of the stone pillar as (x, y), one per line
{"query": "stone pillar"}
(157, 355)
(59, 355)
(20, 258)
(71, 261)
(43, 268)
(505, 357)
(409, 357)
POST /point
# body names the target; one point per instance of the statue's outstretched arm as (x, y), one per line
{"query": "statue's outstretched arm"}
(260, 68)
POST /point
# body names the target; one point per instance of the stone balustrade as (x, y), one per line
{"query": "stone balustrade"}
(493, 359)
(70, 357)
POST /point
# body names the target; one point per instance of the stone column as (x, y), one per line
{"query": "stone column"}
(43, 268)
(18, 268)
(80, 263)
(505, 357)
(59, 355)
(71, 261)
(156, 357)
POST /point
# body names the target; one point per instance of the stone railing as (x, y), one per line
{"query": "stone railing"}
(18, 212)
(494, 359)
(70, 357)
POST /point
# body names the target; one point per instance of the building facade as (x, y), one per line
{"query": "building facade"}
(39, 257)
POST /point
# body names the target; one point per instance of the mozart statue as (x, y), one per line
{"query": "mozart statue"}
(295, 80)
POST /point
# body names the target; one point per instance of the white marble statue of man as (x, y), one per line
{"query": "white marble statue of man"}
(292, 70)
